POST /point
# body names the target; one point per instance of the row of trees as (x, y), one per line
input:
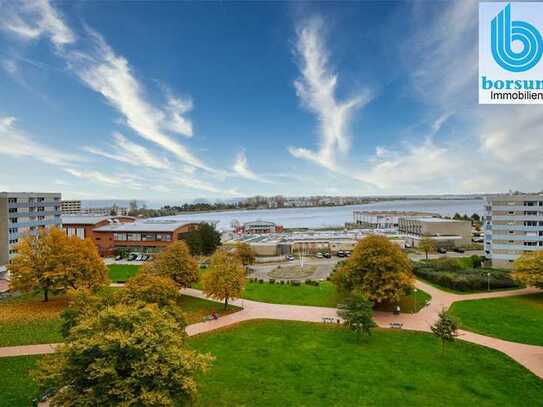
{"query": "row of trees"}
(122, 347)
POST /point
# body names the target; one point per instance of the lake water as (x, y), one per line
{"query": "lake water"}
(337, 215)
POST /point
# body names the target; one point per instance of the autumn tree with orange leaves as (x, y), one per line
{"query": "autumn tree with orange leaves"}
(52, 262)
(378, 269)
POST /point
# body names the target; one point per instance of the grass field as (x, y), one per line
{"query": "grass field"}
(517, 319)
(325, 295)
(122, 272)
(16, 387)
(28, 320)
(271, 363)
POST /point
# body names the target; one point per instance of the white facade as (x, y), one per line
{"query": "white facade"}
(513, 226)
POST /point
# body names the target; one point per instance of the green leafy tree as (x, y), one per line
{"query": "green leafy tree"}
(225, 278)
(378, 269)
(204, 240)
(427, 245)
(528, 269)
(123, 355)
(53, 262)
(357, 312)
(175, 262)
(445, 328)
(245, 253)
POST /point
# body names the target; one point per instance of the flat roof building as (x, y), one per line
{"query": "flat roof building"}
(146, 236)
(24, 213)
(513, 225)
(383, 220)
(446, 232)
(70, 207)
(259, 227)
(83, 226)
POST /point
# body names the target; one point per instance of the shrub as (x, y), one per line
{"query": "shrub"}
(295, 282)
(271, 281)
(308, 281)
(260, 281)
(282, 282)
(468, 279)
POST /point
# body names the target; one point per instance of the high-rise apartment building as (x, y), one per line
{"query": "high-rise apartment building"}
(22, 213)
(513, 226)
(70, 207)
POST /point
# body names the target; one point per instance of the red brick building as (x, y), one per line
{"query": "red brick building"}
(83, 226)
(146, 236)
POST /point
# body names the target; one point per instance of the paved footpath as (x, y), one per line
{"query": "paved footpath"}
(529, 356)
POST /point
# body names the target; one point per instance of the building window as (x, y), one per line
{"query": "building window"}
(13, 241)
(134, 237)
(13, 220)
(12, 210)
(164, 237)
(12, 200)
(119, 236)
(147, 237)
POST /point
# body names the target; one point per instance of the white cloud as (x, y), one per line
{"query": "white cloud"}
(241, 168)
(131, 153)
(94, 176)
(111, 76)
(31, 19)
(15, 143)
(316, 89)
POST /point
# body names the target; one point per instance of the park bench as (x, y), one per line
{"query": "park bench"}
(397, 325)
(329, 320)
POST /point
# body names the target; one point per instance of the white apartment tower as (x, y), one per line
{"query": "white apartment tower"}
(513, 226)
(22, 213)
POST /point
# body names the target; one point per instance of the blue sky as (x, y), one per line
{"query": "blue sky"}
(180, 100)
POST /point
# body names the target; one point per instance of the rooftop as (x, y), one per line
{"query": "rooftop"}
(88, 219)
(148, 225)
(434, 220)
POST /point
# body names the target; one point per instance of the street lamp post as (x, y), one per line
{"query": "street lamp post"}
(415, 291)
(488, 280)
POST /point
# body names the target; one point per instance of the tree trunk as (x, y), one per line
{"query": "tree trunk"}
(45, 294)
(226, 303)
(426, 255)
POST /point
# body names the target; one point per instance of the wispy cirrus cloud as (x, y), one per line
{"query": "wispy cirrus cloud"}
(126, 151)
(16, 143)
(111, 76)
(31, 19)
(95, 176)
(316, 89)
(242, 169)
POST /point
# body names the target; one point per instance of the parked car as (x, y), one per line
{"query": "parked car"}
(441, 250)
(459, 250)
(319, 255)
(326, 255)
(290, 258)
(348, 253)
(132, 257)
(340, 253)
(119, 257)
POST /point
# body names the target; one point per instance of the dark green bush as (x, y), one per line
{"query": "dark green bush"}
(271, 281)
(468, 279)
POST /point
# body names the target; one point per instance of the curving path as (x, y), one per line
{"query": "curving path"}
(529, 356)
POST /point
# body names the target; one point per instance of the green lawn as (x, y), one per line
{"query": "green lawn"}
(122, 272)
(324, 295)
(408, 303)
(28, 320)
(517, 319)
(16, 386)
(271, 363)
